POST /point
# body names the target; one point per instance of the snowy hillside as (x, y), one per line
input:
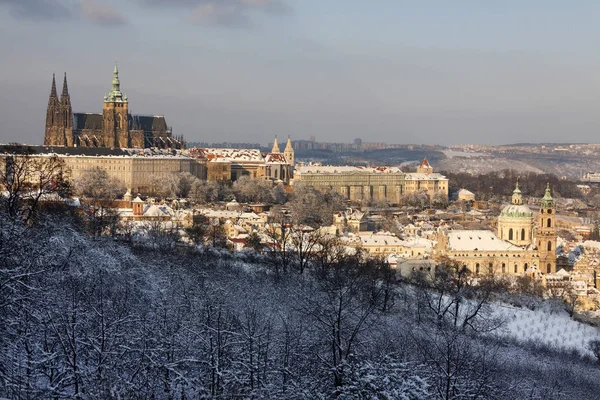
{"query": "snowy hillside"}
(547, 327)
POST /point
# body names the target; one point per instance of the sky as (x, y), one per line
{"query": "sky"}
(395, 71)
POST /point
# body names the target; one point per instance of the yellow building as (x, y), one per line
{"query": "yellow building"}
(135, 168)
(374, 183)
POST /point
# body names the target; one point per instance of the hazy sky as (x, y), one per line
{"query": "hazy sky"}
(421, 71)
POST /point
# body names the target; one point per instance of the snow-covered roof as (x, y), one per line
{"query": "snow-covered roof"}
(275, 158)
(468, 240)
(416, 176)
(154, 210)
(232, 155)
(345, 169)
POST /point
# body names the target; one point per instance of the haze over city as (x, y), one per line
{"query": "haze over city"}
(245, 70)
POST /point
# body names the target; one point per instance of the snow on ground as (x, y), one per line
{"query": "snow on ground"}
(545, 326)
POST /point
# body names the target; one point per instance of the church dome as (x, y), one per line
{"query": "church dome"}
(516, 211)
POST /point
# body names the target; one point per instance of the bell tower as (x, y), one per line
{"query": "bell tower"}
(115, 116)
(546, 233)
(288, 152)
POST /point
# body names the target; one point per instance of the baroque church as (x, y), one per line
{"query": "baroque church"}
(115, 127)
(519, 247)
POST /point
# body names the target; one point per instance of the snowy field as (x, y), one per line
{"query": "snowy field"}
(546, 326)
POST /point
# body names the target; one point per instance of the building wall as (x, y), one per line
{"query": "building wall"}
(136, 173)
(374, 186)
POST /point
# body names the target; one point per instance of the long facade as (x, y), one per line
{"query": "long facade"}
(114, 127)
(374, 183)
(136, 169)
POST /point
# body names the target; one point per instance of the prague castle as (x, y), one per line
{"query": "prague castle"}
(114, 127)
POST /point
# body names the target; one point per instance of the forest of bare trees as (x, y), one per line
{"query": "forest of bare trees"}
(87, 317)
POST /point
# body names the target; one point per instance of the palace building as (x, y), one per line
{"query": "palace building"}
(115, 127)
(520, 246)
(358, 183)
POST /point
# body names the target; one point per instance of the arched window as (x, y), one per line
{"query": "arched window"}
(503, 268)
(510, 234)
(549, 224)
(477, 268)
(549, 268)
(516, 270)
(522, 234)
(549, 245)
(525, 267)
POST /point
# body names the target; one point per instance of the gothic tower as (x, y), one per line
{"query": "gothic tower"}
(66, 114)
(275, 146)
(115, 116)
(55, 135)
(546, 233)
(288, 152)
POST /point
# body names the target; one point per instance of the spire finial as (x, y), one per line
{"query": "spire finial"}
(53, 90)
(547, 200)
(65, 91)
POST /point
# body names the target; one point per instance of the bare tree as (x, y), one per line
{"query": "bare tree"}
(26, 178)
(100, 191)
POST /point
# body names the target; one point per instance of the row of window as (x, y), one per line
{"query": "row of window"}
(504, 270)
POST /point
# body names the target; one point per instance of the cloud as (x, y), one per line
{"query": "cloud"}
(227, 13)
(102, 14)
(39, 9)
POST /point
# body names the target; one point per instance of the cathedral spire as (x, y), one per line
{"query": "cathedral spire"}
(115, 95)
(65, 91)
(53, 90)
(116, 84)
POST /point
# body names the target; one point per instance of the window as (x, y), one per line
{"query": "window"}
(477, 268)
(503, 268)
(549, 245)
(549, 224)
(516, 270)
(525, 267)
(510, 234)
(549, 268)
(549, 211)
(522, 234)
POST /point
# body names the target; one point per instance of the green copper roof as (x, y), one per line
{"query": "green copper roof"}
(547, 200)
(516, 197)
(517, 190)
(115, 94)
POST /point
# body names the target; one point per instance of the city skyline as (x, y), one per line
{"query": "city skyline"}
(246, 70)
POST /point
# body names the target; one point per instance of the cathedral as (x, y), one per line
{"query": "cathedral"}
(114, 128)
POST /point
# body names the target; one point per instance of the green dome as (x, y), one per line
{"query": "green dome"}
(516, 211)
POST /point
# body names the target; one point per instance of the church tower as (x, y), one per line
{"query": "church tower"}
(55, 135)
(115, 116)
(288, 152)
(66, 115)
(275, 149)
(546, 233)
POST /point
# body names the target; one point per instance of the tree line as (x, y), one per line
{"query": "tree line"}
(499, 185)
